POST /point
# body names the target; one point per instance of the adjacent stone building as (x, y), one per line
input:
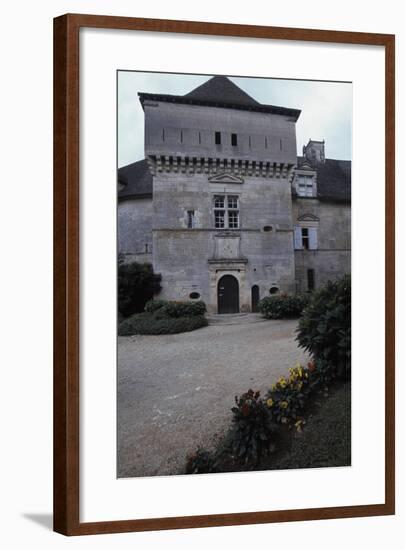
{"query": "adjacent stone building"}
(223, 208)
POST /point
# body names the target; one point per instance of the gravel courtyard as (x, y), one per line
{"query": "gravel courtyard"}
(175, 392)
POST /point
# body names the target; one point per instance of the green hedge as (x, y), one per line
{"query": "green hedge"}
(151, 323)
(324, 329)
(283, 306)
(164, 308)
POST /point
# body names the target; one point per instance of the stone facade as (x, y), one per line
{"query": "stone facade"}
(135, 218)
(224, 200)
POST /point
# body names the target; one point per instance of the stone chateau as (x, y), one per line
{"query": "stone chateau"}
(222, 206)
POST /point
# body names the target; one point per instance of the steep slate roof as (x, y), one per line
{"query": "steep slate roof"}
(221, 87)
(333, 178)
(137, 180)
(219, 91)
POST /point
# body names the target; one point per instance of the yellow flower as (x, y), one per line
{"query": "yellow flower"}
(284, 404)
(283, 382)
(298, 425)
(270, 402)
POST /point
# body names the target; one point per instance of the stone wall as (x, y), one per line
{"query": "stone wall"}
(189, 130)
(193, 260)
(134, 221)
(332, 259)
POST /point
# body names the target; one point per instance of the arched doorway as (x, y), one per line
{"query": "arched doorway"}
(228, 294)
(255, 298)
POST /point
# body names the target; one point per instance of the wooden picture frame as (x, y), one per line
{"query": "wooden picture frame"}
(67, 284)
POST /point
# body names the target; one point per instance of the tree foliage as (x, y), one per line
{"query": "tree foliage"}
(137, 284)
(324, 330)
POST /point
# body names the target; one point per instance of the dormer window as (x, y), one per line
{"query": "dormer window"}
(305, 186)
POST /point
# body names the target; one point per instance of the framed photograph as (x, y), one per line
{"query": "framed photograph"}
(223, 255)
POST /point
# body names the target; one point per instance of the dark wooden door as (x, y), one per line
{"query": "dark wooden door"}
(228, 294)
(255, 298)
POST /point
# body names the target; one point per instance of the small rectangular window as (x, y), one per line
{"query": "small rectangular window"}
(311, 279)
(217, 138)
(234, 140)
(190, 219)
(305, 238)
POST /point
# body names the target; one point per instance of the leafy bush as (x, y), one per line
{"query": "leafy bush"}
(137, 283)
(176, 309)
(324, 329)
(288, 396)
(151, 323)
(283, 306)
(201, 462)
(253, 431)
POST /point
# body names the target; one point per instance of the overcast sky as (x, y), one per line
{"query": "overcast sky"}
(326, 108)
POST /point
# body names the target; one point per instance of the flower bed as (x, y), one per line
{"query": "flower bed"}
(259, 425)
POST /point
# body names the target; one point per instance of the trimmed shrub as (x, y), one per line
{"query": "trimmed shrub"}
(153, 305)
(283, 306)
(137, 283)
(176, 309)
(253, 432)
(151, 323)
(324, 329)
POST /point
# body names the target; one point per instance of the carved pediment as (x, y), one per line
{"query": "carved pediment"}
(308, 218)
(306, 166)
(225, 178)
